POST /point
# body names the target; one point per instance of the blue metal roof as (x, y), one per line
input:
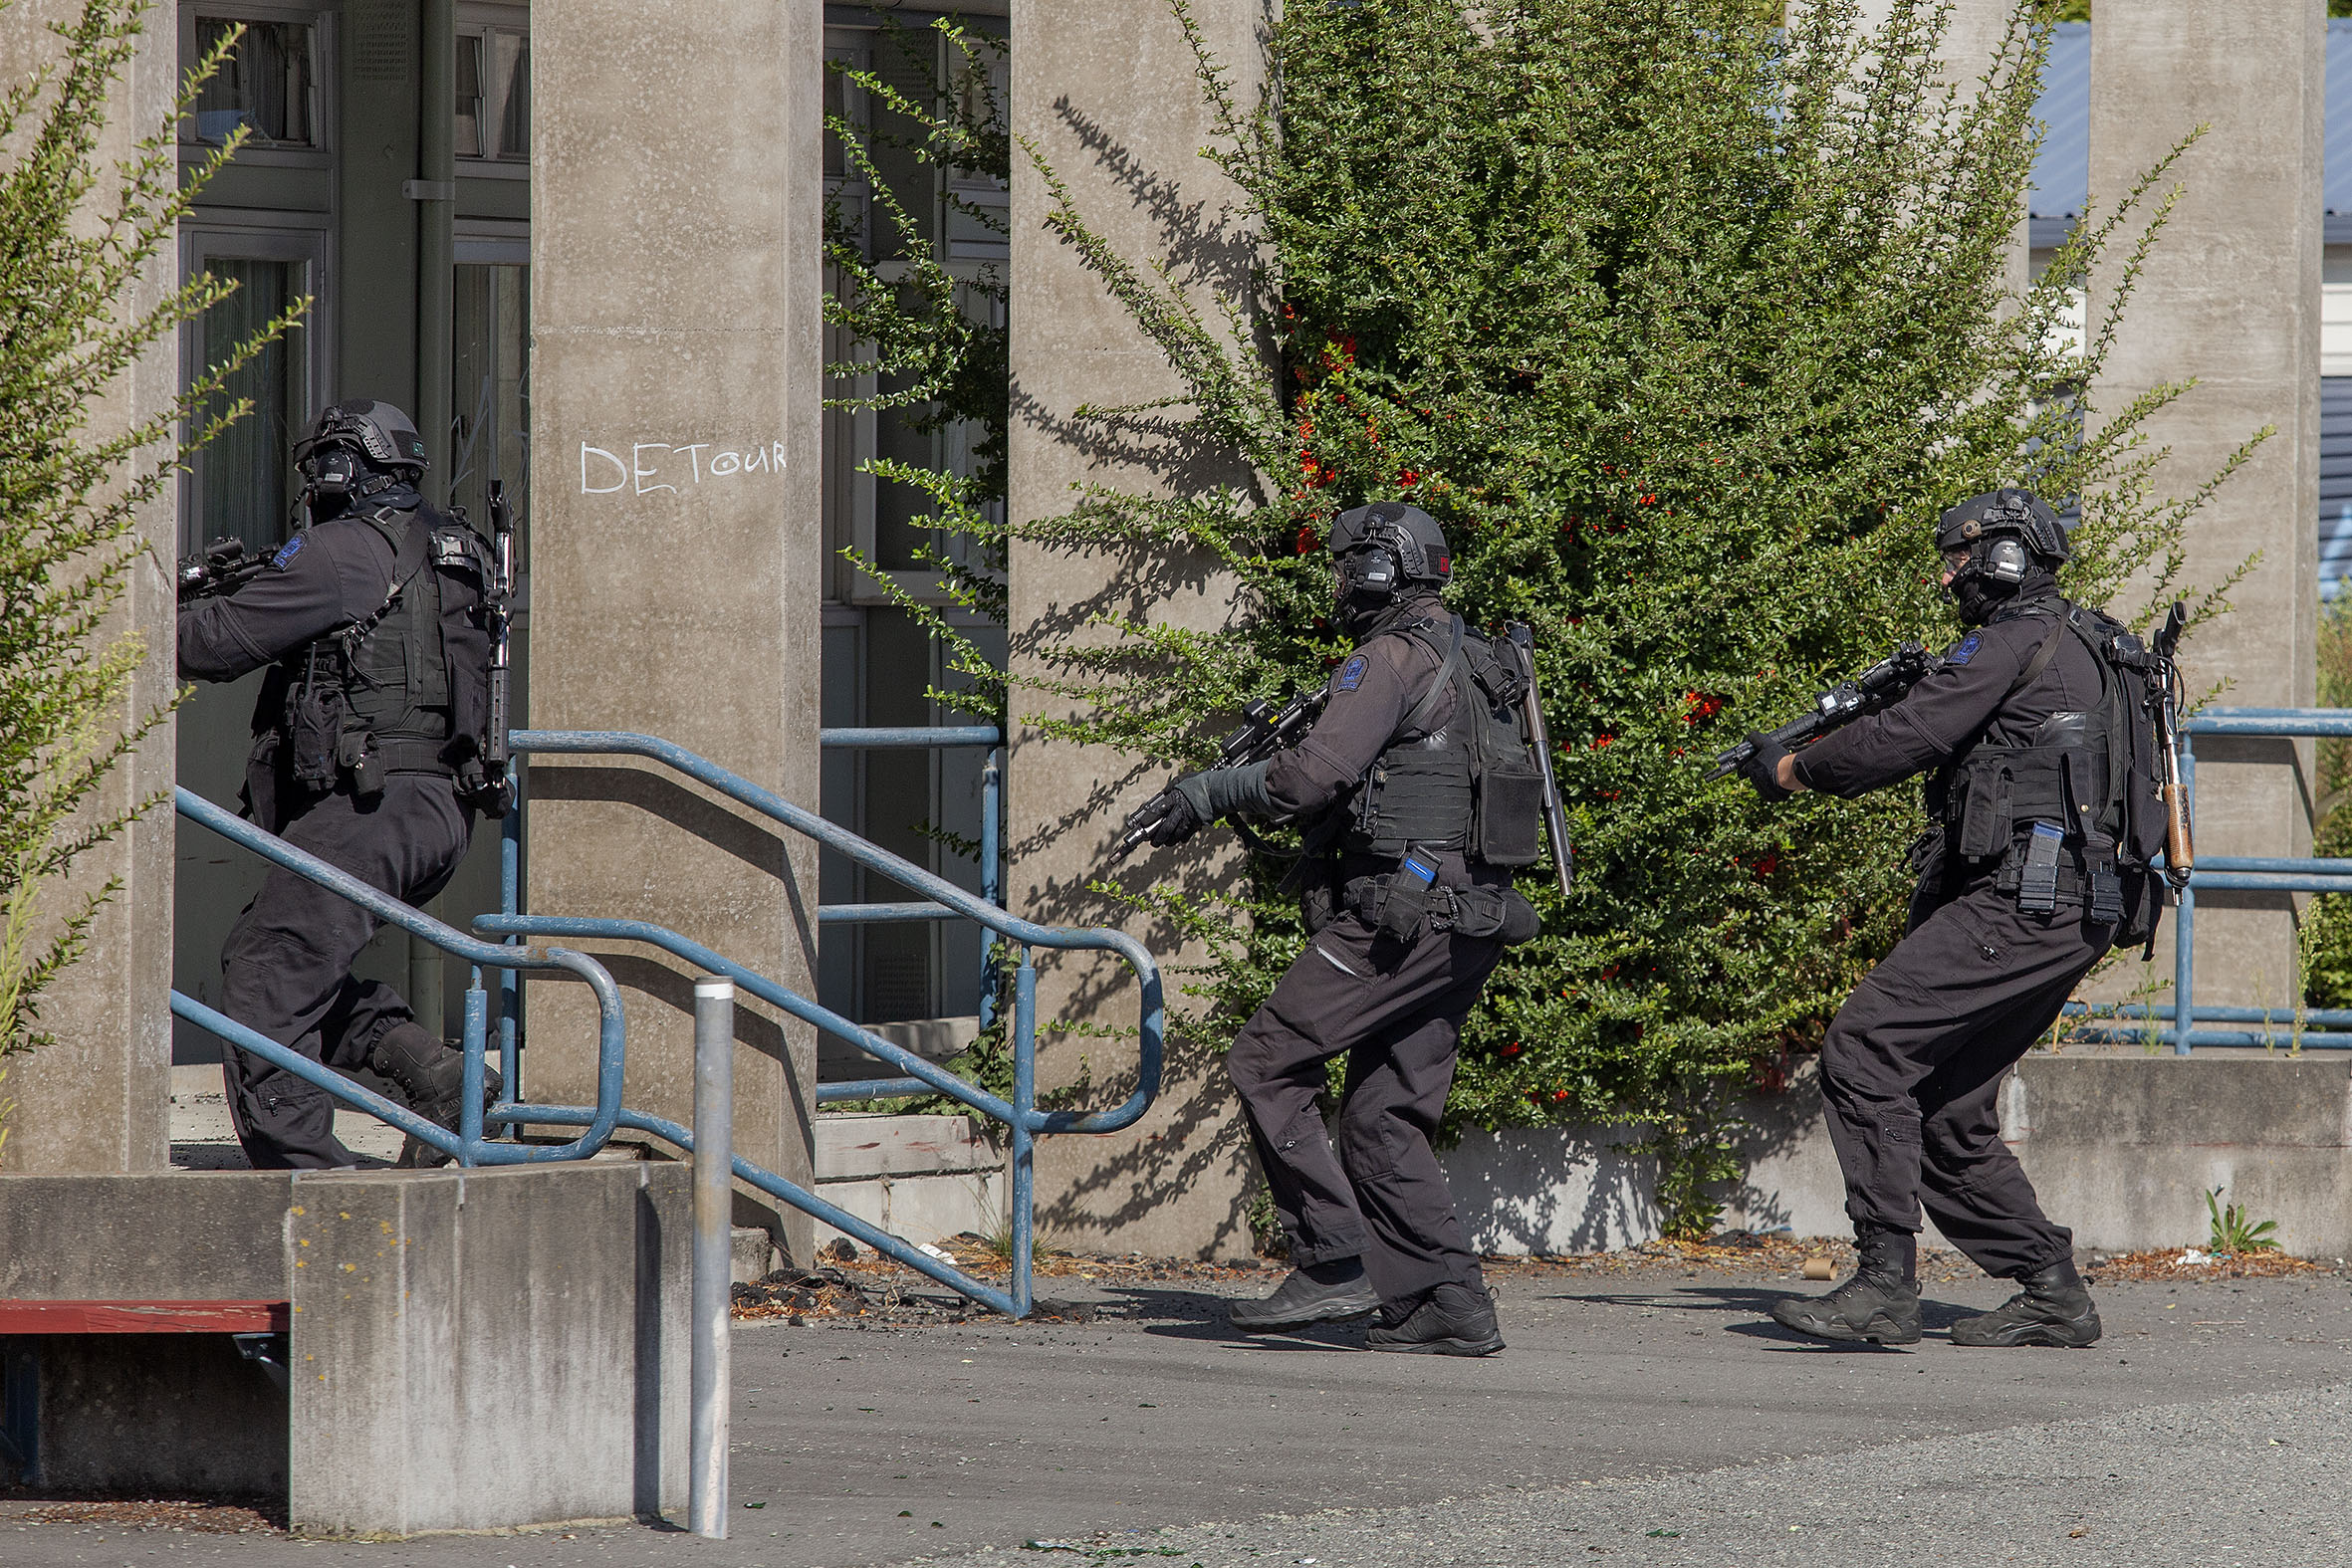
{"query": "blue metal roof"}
(2336, 181)
(2062, 169)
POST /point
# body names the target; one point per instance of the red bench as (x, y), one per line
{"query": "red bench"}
(144, 1317)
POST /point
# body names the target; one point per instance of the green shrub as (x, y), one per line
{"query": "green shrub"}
(83, 233)
(1686, 326)
(2326, 931)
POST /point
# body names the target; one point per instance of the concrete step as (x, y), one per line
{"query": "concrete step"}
(924, 1177)
(202, 1138)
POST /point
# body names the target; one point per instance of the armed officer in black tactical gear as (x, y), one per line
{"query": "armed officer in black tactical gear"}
(2028, 874)
(370, 622)
(1413, 791)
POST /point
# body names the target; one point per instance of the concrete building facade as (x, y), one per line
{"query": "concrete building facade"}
(585, 244)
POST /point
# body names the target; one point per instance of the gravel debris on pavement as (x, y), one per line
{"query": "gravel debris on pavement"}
(2255, 1480)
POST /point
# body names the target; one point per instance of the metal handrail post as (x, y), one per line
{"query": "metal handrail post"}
(714, 1274)
(469, 1110)
(992, 810)
(510, 980)
(1025, 1141)
(2184, 925)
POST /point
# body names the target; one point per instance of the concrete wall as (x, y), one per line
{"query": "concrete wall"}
(675, 405)
(1109, 96)
(476, 1351)
(2231, 296)
(469, 1350)
(96, 1100)
(2121, 1147)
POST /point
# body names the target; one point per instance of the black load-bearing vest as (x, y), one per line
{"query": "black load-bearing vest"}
(2072, 807)
(1475, 784)
(407, 689)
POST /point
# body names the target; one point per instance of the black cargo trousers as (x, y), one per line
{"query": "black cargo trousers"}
(1912, 1069)
(286, 967)
(1395, 1010)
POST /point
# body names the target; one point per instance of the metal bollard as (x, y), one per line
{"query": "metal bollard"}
(714, 1234)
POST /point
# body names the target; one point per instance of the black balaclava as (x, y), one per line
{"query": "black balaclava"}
(1982, 603)
(1363, 618)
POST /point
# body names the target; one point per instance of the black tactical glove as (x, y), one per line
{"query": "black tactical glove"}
(1179, 818)
(1763, 767)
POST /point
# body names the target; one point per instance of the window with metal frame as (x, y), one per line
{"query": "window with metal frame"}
(493, 91)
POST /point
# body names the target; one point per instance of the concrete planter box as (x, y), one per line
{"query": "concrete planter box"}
(466, 1351)
(2121, 1147)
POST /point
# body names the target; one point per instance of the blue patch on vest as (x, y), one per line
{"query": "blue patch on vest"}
(285, 556)
(1352, 674)
(1967, 649)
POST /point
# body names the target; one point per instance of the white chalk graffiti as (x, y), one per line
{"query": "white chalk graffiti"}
(662, 471)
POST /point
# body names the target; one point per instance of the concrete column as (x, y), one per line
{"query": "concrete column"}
(98, 1100)
(2231, 296)
(675, 545)
(1108, 93)
(1974, 31)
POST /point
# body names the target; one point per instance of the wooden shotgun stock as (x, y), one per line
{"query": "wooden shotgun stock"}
(2180, 847)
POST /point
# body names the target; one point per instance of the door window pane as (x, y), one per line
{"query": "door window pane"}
(494, 95)
(490, 402)
(469, 97)
(245, 482)
(510, 52)
(265, 84)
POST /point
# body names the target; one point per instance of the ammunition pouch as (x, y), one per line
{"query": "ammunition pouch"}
(314, 728)
(1497, 911)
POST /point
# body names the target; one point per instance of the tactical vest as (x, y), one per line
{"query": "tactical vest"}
(407, 689)
(1475, 785)
(2073, 807)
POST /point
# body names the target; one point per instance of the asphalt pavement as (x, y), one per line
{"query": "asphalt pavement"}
(1651, 1412)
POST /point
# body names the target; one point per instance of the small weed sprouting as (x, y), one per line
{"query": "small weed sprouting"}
(2233, 1228)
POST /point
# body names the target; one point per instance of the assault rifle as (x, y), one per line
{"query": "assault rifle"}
(1264, 731)
(1520, 639)
(222, 567)
(2180, 849)
(1881, 686)
(499, 617)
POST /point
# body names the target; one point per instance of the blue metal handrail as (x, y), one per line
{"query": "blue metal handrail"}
(1021, 1115)
(466, 1144)
(2231, 874)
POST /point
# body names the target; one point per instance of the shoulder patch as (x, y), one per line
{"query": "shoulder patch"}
(285, 552)
(1965, 649)
(1352, 674)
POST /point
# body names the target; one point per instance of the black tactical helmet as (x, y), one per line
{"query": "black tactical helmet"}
(1979, 524)
(379, 433)
(1383, 546)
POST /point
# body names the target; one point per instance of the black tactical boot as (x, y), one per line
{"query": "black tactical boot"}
(1879, 1306)
(430, 1074)
(2054, 1309)
(1315, 1293)
(1452, 1320)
